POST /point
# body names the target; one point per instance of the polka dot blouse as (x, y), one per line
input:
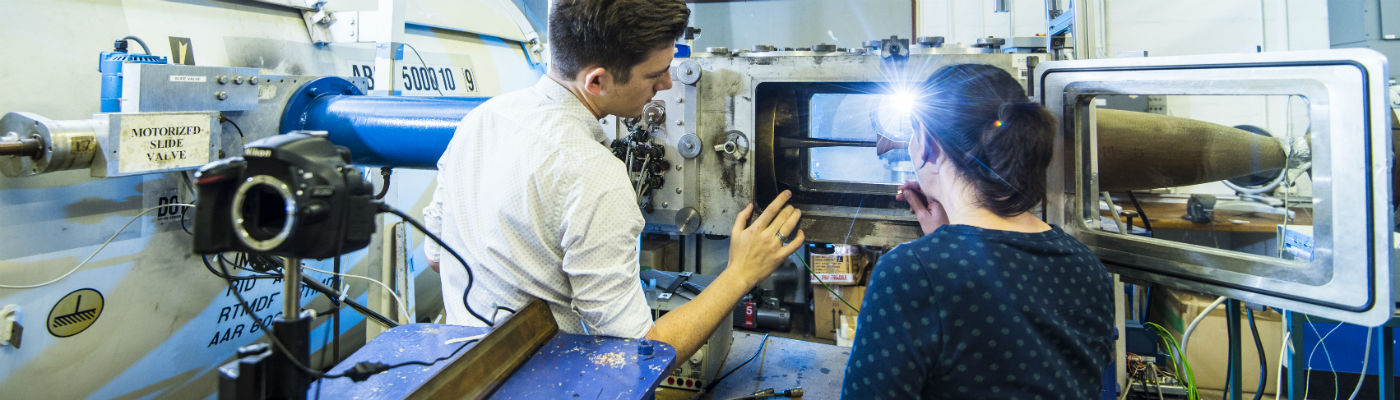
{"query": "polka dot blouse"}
(971, 313)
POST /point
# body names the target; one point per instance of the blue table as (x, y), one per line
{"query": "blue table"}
(568, 366)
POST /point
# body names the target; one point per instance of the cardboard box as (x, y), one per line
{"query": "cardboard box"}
(660, 255)
(827, 310)
(1208, 349)
(844, 266)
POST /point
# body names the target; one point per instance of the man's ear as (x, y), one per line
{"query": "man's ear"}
(596, 80)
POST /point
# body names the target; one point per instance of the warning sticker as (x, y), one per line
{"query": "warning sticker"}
(75, 313)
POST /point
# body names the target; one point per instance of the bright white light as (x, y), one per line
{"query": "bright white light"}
(895, 113)
(903, 101)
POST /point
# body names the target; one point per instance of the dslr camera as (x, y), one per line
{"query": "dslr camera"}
(292, 195)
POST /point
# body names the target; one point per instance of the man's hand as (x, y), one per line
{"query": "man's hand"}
(434, 265)
(929, 212)
(756, 250)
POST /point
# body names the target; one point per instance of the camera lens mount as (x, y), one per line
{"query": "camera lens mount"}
(264, 212)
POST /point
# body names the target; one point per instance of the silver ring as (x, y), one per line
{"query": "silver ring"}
(781, 238)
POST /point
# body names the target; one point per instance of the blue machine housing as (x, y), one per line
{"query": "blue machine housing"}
(109, 63)
(379, 131)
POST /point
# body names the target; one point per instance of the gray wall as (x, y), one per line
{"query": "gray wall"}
(800, 23)
(1367, 24)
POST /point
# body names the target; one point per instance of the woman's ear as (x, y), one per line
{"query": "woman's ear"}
(923, 149)
(933, 154)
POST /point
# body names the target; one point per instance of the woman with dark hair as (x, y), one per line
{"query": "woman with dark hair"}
(992, 302)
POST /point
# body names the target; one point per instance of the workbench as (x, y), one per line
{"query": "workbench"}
(783, 364)
(568, 366)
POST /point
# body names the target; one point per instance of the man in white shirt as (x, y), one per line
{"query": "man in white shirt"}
(534, 200)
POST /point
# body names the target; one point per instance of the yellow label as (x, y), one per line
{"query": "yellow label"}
(75, 312)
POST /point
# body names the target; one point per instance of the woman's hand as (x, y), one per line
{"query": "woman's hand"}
(756, 250)
(929, 212)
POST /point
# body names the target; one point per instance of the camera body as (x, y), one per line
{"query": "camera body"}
(292, 195)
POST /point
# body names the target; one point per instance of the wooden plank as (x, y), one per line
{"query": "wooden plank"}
(489, 363)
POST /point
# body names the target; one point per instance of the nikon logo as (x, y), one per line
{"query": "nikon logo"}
(255, 152)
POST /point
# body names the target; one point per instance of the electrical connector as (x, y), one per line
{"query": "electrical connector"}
(364, 370)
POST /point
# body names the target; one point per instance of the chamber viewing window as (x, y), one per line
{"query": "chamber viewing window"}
(855, 122)
(1228, 172)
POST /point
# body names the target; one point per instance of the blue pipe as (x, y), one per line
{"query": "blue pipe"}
(379, 131)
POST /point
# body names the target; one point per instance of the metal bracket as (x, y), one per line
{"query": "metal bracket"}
(325, 26)
(894, 49)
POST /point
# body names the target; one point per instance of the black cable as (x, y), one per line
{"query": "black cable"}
(1263, 363)
(499, 309)
(360, 372)
(1229, 377)
(470, 277)
(425, 64)
(139, 42)
(268, 332)
(223, 118)
(361, 308)
(437, 360)
(385, 172)
(716, 382)
(1146, 224)
(189, 184)
(335, 278)
(211, 269)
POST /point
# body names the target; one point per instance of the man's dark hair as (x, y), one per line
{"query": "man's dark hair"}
(613, 34)
(993, 134)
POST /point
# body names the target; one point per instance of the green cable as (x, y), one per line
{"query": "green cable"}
(819, 280)
(1189, 378)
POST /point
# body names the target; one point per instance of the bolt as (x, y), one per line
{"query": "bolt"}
(222, 79)
(665, 204)
(221, 96)
(678, 167)
(680, 100)
(689, 146)
(678, 190)
(252, 80)
(680, 123)
(238, 79)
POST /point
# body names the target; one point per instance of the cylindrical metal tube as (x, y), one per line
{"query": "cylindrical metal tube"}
(61, 144)
(379, 131)
(291, 287)
(21, 148)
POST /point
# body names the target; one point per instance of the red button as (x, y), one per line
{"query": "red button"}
(670, 380)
